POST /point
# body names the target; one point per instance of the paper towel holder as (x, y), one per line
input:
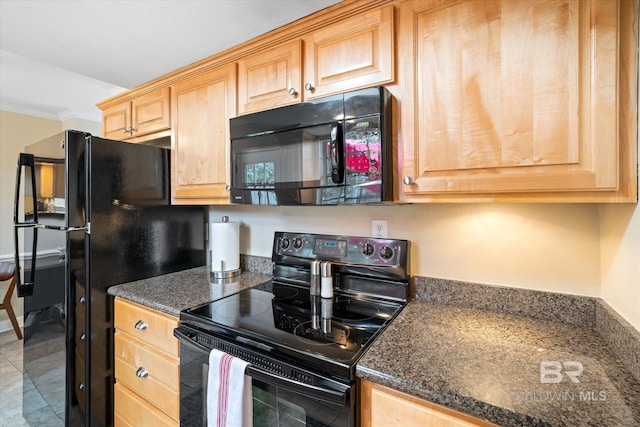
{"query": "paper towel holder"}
(222, 274)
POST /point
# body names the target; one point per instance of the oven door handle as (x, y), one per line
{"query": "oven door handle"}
(340, 397)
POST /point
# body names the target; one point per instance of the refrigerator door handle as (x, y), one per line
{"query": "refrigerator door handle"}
(25, 161)
(57, 227)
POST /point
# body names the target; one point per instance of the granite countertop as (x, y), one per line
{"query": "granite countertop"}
(487, 364)
(473, 348)
(172, 293)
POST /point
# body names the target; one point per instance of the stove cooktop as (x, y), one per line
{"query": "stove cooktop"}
(285, 319)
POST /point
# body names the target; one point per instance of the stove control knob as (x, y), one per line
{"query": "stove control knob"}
(386, 252)
(284, 243)
(297, 242)
(367, 249)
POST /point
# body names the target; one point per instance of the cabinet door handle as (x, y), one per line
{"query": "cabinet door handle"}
(293, 92)
(407, 180)
(140, 325)
(83, 336)
(142, 373)
(309, 87)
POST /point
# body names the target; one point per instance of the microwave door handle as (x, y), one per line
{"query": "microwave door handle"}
(336, 153)
(25, 289)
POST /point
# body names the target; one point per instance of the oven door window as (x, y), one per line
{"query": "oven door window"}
(276, 406)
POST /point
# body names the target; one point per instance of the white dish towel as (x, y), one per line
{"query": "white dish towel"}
(229, 401)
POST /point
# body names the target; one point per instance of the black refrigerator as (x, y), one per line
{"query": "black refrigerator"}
(90, 213)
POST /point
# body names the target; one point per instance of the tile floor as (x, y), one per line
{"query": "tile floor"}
(46, 399)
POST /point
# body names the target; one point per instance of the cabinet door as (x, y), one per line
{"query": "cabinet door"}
(144, 115)
(384, 407)
(151, 112)
(149, 373)
(270, 79)
(202, 107)
(131, 410)
(510, 97)
(116, 121)
(354, 53)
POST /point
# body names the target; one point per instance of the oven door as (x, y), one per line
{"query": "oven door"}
(277, 401)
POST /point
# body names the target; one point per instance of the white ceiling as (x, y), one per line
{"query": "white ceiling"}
(58, 58)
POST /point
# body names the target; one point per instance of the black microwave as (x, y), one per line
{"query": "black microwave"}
(328, 151)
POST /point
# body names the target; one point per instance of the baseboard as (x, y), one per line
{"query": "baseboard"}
(5, 325)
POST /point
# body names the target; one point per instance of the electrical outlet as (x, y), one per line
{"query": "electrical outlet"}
(379, 228)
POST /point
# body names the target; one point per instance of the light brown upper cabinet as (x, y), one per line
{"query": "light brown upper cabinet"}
(518, 100)
(202, 106)
(144, 115)
(346, 55)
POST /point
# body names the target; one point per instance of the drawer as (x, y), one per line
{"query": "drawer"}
(132, 411)
(136, 355)
(149, 373)
(147, 325)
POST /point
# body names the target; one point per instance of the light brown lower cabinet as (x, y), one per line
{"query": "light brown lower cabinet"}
(384, 407)
(147, 367)
(133, 411)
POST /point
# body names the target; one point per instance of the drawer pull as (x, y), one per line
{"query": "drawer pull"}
(141, 373)
(140, 325)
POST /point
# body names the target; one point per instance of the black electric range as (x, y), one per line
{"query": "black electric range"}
(279, 319)
(329, 298)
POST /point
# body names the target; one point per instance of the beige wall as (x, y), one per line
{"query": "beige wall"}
(620, 259)
(548, 247)
(16, 131)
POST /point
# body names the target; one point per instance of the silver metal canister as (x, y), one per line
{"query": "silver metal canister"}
(314, 284)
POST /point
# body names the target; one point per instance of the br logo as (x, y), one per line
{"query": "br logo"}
(551, 371)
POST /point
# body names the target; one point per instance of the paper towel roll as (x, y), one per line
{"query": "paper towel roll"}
(224, 245)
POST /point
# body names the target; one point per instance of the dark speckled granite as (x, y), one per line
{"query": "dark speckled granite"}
(564, 308)
(172, 293)
(483, 357)
(621, 337)
(256, 264)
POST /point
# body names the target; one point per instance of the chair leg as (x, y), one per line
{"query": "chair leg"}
(6, 304)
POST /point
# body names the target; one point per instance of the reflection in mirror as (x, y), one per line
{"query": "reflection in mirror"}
(50, 182)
